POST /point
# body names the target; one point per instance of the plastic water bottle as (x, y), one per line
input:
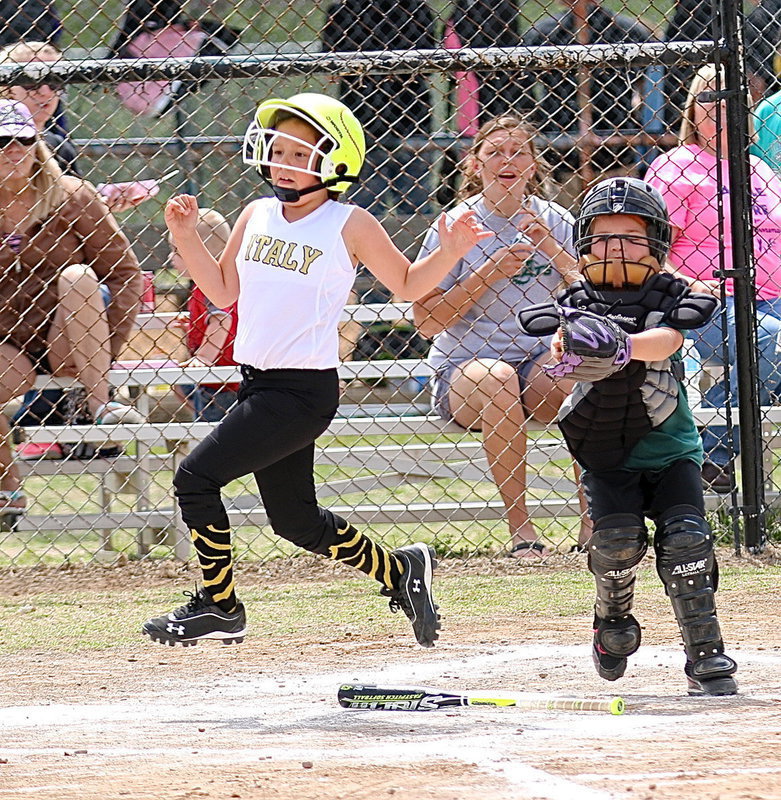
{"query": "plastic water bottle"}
(148, 293)
(692, 371)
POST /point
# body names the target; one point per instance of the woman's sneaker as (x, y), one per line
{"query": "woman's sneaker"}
(414, 594)
(114, 413)
(200, 618)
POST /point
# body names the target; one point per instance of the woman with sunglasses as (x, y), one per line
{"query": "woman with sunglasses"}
(57, 244)
(489, 377)
(45, 103)
(688, 178)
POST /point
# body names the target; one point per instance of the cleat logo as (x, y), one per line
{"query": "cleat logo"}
(177, 629)
(690, 568)
(416, 585)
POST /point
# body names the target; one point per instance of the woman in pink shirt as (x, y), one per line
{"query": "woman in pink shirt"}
(687, 178)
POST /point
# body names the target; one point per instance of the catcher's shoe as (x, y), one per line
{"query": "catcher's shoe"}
(200, 618)
(614, 640)
(414, 595)
(712, 676)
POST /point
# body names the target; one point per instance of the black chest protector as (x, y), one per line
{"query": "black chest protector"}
(603, 421)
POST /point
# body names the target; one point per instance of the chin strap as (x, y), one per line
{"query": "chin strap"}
(292, 195)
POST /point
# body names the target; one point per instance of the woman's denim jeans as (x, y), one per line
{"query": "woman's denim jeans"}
(708, 341)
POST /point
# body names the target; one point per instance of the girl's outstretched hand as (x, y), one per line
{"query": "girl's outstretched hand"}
(463, 233)
(181, 214)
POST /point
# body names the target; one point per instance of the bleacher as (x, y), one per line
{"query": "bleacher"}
(415, 446)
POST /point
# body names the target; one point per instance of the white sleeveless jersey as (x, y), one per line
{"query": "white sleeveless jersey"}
(295, 278)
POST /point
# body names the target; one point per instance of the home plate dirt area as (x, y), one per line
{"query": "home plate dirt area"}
(260, 720)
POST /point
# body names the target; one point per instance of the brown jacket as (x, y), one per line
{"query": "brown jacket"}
(82, 231)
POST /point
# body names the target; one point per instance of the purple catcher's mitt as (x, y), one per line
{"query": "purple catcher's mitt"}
(594, 347)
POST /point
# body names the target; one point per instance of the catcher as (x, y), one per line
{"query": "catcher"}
(618, 332)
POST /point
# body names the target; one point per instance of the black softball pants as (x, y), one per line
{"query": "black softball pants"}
(269, 433)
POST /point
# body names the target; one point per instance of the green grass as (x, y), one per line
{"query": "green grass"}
(78, 620)
(100, 620)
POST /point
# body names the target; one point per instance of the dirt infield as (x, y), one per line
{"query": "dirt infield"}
(260, 720)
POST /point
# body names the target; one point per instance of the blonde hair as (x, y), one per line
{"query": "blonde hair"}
(706, 79)
(214, 229)
(23, 52)
(45, 184)
(539, 183)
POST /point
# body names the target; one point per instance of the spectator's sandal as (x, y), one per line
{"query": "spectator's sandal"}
(535, 547)
(9, 510)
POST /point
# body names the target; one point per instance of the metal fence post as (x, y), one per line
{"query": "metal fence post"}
(743, 274)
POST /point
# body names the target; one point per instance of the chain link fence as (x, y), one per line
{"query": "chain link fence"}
(139, 102)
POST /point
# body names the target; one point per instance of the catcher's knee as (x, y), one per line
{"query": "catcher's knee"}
(616, 548)
(684, 547)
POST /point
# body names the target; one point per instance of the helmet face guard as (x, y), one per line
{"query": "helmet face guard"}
(337, 156)
(617, 273)
(635, 198)
(258, 148)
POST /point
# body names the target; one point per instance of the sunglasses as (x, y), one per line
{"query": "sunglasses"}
(25, 141)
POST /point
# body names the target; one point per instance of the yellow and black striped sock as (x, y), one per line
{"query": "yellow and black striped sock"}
(213, 546)
(359, 551)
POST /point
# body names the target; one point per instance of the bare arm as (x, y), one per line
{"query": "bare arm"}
(367, 242)
(656, 344)
(217, 332)
(441, 309)
(218, 280)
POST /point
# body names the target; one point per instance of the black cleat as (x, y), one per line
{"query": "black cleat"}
(414, 596)
(711, 676)
(614, 640)
(200, 618)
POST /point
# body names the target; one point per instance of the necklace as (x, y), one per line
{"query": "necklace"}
(13, 240)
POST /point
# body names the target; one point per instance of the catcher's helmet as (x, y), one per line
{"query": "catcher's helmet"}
(337, 157)
(625, 196)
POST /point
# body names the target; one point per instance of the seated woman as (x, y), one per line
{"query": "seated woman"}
(45, 103)
(488, 376)
(687, 176)
(58, 242)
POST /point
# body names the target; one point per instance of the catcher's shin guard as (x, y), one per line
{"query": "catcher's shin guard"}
(687, 566)
(615, 550)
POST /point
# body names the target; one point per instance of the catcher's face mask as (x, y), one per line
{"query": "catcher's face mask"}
(619, 254)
